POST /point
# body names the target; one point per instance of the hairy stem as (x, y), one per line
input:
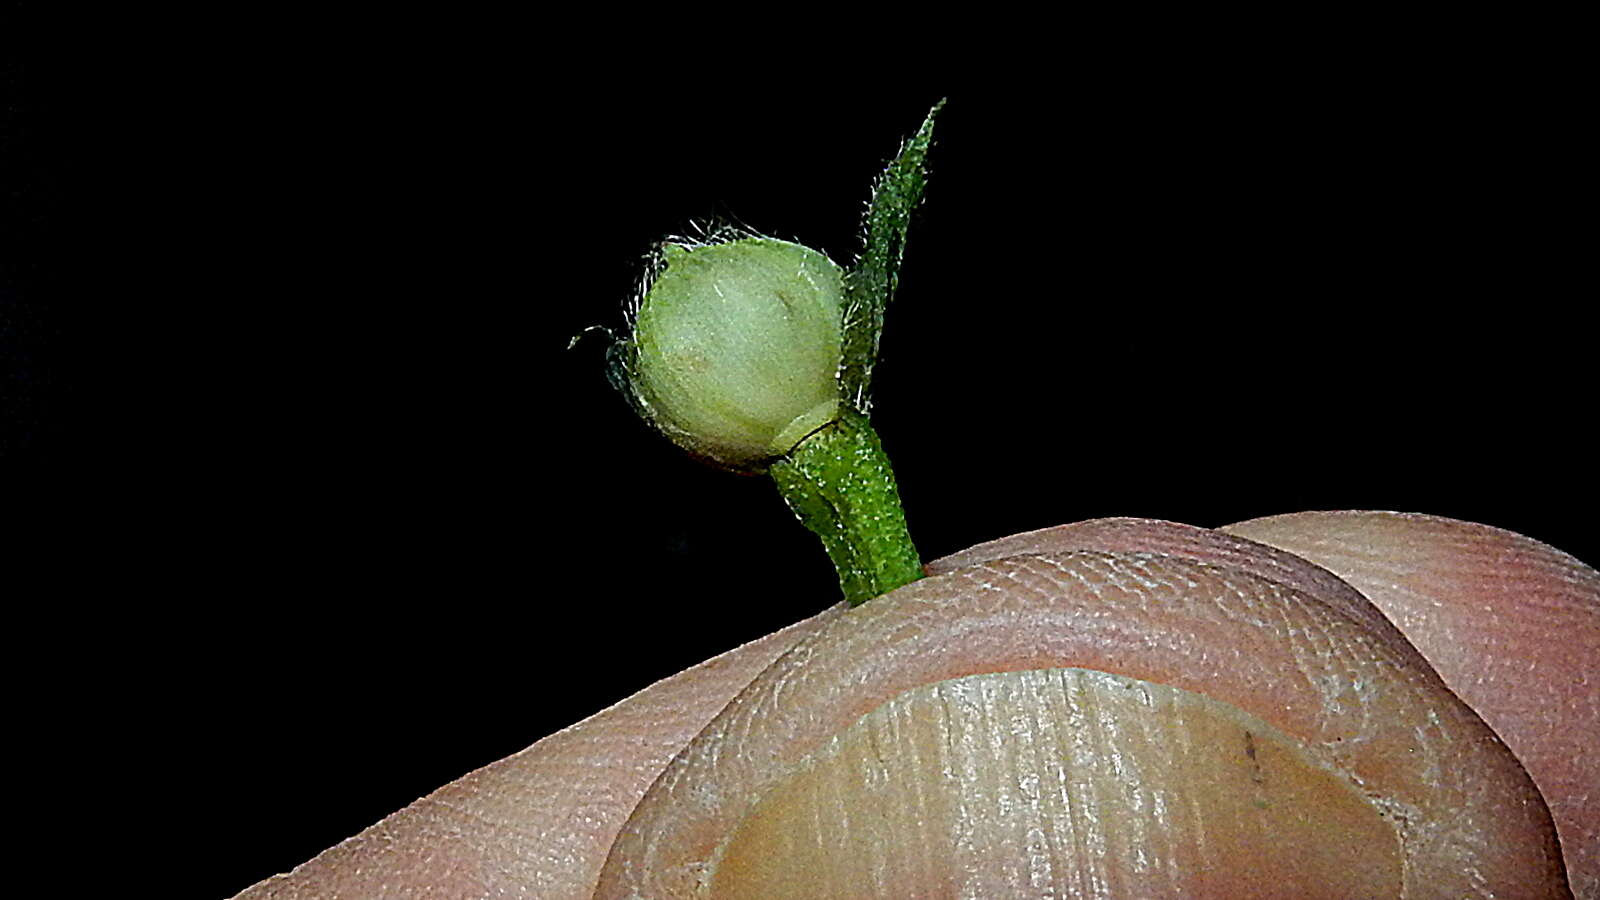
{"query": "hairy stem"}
(839, 482)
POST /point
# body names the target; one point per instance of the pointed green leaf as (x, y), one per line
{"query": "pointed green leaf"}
(870, 285)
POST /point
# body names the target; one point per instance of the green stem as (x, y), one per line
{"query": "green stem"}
(838, 481)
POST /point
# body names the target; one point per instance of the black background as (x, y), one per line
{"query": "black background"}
(304, 447)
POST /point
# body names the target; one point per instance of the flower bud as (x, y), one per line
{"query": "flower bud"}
(735, 348)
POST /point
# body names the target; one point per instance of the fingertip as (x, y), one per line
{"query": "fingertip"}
(1512, 625)
(1366, 713)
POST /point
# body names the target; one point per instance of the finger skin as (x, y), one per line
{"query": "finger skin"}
(1204, 545)
(531, 826)
(1472, 824)
(1511, 624)
(537, 823)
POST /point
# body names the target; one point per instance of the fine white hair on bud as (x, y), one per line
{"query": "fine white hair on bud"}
(735, 348)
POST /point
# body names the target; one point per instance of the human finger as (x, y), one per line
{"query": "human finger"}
(1511, 625)
(781, 766)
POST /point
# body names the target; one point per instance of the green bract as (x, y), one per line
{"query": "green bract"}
(736, 346)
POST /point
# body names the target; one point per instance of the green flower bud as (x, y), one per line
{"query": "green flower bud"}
(736, 346)
(757, 354)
